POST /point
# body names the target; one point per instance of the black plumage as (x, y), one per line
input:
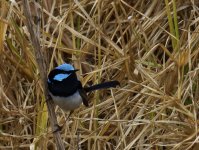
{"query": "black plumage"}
(68, 85)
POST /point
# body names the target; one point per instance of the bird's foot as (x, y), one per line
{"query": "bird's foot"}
(57, 128)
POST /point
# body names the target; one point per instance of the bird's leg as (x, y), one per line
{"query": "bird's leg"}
(69, 114)
(59, 128)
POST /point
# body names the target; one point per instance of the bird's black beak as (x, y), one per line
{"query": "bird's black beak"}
(71, 71)
(76, 70)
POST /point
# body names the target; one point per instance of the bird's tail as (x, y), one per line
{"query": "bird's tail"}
(109, 84)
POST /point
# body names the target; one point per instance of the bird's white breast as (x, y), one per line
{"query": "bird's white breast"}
(68, 103)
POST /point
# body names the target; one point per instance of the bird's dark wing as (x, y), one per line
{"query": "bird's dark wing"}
(84, 97)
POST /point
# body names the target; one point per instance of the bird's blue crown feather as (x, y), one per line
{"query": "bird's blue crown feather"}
(65, 67)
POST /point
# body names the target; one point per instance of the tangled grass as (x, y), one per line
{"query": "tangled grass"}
(150, 47)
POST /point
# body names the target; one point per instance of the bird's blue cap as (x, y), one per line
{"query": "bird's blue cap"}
(65, 67)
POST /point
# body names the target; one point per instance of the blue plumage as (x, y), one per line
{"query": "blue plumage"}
(61, 77)
(65, 67)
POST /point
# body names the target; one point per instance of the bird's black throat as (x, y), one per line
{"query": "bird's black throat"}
(67, 86)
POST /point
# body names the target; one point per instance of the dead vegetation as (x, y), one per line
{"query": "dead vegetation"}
(150, 47)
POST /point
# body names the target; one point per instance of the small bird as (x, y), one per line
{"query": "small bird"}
(67, 91)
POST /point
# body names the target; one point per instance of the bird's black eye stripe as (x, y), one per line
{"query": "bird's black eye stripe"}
(53, 73)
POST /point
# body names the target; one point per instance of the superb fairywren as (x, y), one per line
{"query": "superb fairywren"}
(67, 91)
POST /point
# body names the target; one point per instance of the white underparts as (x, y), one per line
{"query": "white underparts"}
(68, 103)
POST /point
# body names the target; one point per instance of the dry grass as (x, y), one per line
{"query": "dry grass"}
(150, 47)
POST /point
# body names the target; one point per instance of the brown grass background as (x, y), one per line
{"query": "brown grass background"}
(149, 46)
